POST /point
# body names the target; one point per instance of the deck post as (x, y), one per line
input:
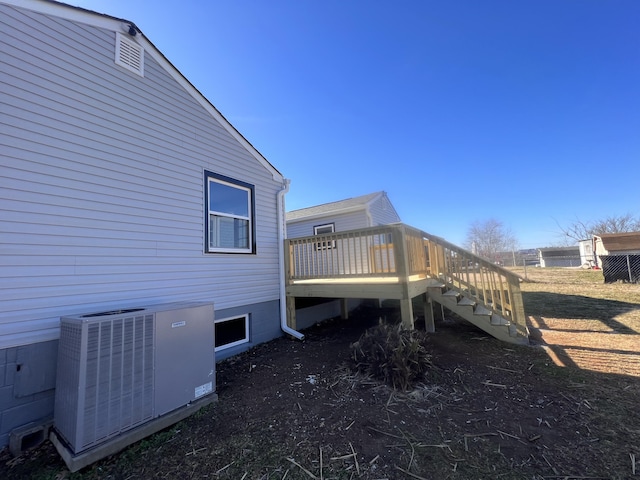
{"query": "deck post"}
(402, 270)
(517, 306)
(406, 313)
(291, 312)
(427, 306)
(344, 308)
(288, 271)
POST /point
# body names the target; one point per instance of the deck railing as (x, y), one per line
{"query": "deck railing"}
(369, 252)
(406, 253)
(490, 285)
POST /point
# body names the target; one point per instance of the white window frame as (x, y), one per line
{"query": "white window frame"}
(325, 245)
(213, 214)
(237, 342)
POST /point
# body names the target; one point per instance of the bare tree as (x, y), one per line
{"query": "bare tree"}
(490, 239)
(581, 230)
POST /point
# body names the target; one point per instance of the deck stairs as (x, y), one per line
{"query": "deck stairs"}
(401, 262)
(476, 312)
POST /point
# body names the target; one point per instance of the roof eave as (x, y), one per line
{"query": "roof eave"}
(101, 20)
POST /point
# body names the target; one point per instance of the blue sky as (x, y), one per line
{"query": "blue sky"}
(526, 111)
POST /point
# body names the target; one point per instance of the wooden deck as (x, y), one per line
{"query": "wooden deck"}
(400, 262)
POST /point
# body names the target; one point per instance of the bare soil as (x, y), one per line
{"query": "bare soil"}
(485, 410)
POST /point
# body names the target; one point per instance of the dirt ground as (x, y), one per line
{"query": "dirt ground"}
(297, 410)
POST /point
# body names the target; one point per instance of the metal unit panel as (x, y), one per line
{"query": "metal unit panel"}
(105, 376)
(117, 370)
(185, 362)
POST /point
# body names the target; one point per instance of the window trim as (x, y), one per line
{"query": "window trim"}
(237, 342)
(250, 189)
(325, 245)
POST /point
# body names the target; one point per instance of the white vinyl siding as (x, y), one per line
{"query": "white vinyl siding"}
(342, 222)
(382, 212)
(101, 184)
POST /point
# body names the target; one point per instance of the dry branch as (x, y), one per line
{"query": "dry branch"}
(491, 384)
(413, 475)
(224, 468)
(311, 475)
(503, 369)
(355, 458)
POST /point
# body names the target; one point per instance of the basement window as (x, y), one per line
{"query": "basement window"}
(129, 54)
(232, 331)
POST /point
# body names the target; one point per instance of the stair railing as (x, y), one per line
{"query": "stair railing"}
(404, 252)
(486, 283)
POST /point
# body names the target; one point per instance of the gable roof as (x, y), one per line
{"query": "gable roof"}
(620, 241)
(108, 22)
(341, 206)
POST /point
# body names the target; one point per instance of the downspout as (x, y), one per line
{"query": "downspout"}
(282, 234)
(370, 217)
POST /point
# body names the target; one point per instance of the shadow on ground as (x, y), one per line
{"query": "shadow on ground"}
(585, 332)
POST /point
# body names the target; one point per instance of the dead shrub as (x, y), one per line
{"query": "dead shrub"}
(392, 354)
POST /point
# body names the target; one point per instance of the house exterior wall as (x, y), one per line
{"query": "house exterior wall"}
(382, 212)
(342, 221)
(573, 261)
(102, 198)
(599, 247)
(27, 381)
(560, 257)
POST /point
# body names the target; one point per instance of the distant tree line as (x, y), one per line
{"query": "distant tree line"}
(490, 239)
(495, 242)
(581, 230)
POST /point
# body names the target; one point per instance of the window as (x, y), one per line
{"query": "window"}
(229, 215)
(324, 229)
(230, 332)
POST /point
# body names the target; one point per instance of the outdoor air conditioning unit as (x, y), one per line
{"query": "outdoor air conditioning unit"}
(120, 369)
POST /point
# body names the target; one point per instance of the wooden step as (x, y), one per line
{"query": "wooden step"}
(480, 314)
(467, 301)
(499, 320)
(433, 283)
(481, 310)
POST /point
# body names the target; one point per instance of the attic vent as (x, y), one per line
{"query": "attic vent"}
(129, 54)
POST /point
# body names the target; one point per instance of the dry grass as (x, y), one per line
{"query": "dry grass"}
(583, 321)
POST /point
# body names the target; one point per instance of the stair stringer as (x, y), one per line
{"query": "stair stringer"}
(480, 315)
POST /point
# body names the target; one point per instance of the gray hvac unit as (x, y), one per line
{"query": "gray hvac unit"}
(120, 369)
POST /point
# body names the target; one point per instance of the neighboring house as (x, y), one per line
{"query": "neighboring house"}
(353, 213)
(617, 243)
(559, 257)
(370, 210)
(618, 255)
(122, 186)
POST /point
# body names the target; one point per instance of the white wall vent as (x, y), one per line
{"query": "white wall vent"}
(120, 369)
(129, 54)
